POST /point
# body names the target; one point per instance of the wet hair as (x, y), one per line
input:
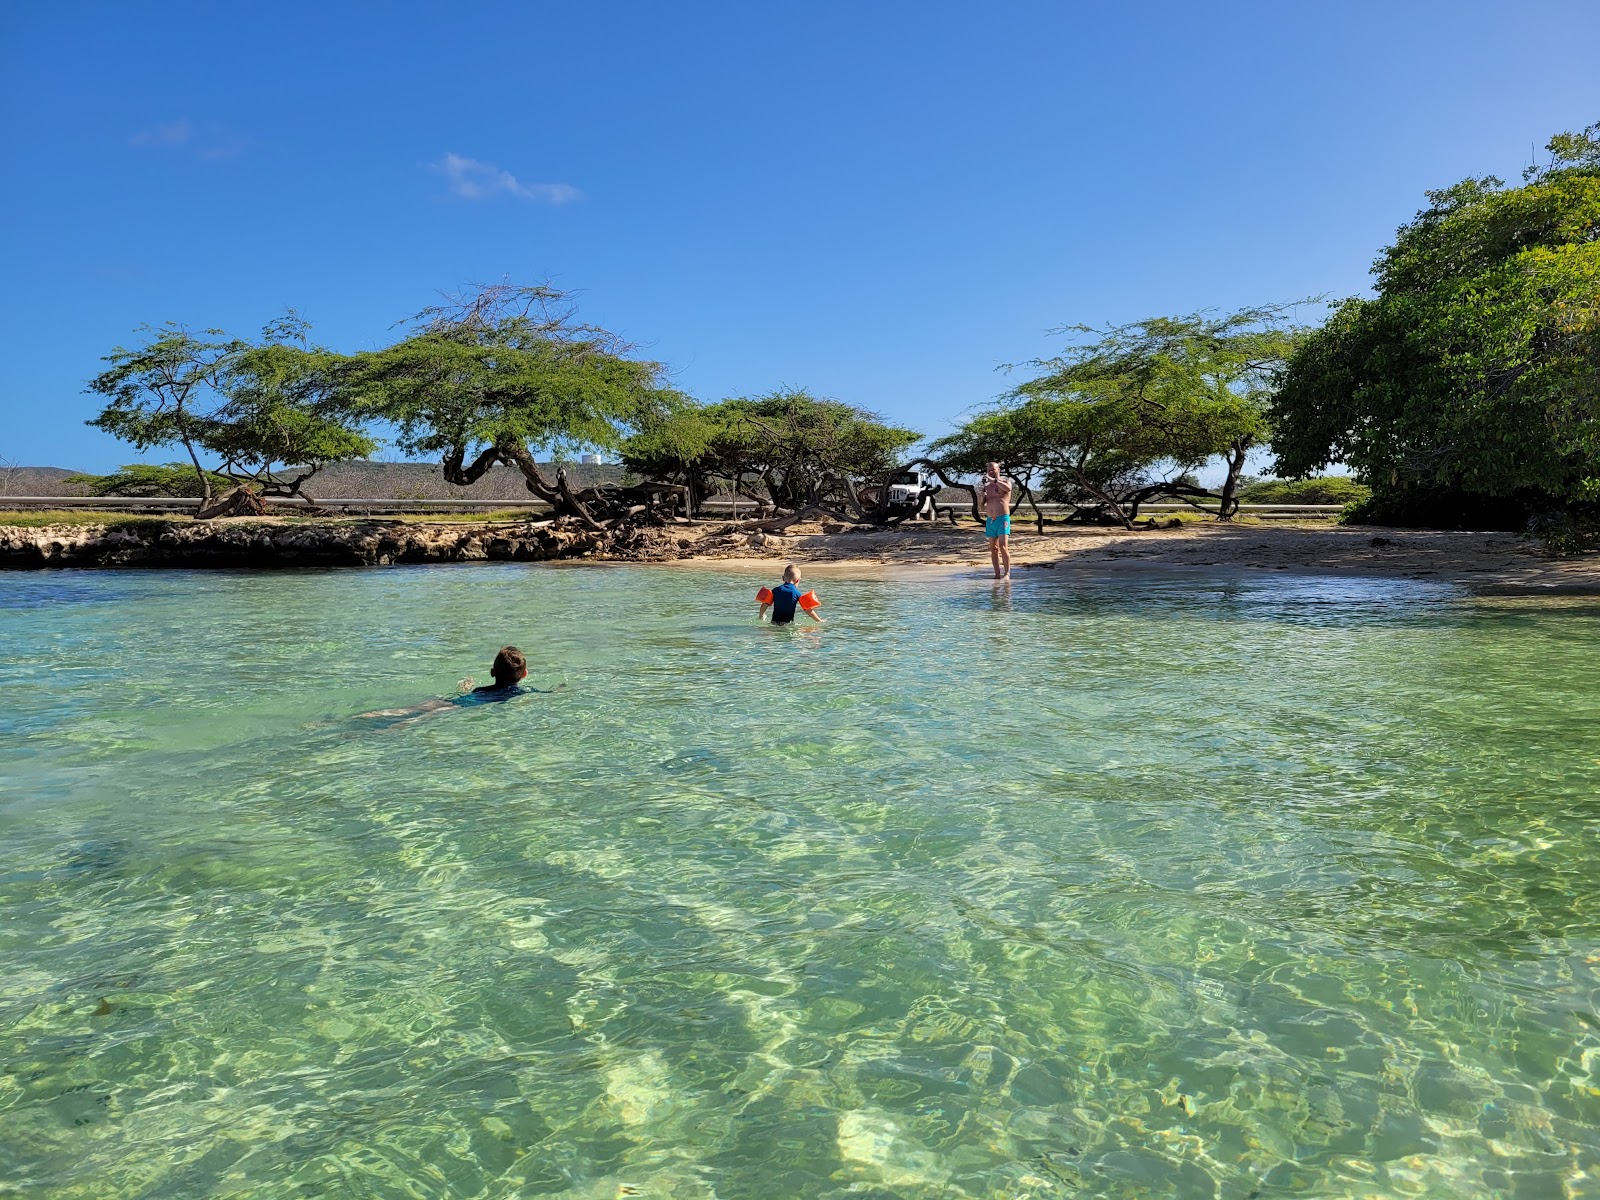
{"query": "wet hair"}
(791, 573)
(509, 665)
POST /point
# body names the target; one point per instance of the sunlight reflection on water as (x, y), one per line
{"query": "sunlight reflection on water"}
(1120, 885)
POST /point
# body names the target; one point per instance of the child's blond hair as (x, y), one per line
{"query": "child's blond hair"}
(791, 574)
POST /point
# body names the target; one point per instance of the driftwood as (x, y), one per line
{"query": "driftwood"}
(599, 509)
(779, 524)
(241, 502)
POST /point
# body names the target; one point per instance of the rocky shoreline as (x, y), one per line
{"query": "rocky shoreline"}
(1484, 562)
(269, 544)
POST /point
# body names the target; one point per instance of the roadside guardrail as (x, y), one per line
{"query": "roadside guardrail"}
(392, 504)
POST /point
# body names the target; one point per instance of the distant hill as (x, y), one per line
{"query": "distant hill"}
(39, 481)
(355, 480)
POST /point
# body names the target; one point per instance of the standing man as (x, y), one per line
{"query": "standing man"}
(997, 519)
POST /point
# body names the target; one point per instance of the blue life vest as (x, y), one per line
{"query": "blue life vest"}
(785, 599)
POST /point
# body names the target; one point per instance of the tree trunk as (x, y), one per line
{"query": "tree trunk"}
(462, 476)
(205, 480)
(241, 502)
(1038, 516)
(938, 469)
(801, 514)
(573, 504)
(532, 478)
(1105, 498)
(1230, 486)
(297, 485)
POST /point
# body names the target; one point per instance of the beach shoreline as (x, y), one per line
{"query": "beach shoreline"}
(1485, 562)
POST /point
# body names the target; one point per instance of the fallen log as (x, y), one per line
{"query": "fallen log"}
(241, 502)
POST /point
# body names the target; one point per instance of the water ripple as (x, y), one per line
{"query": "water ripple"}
(1106, 887)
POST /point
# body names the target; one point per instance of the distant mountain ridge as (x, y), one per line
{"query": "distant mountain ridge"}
(352, 480)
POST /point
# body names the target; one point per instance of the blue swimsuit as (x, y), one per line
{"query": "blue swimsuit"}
(785, 599)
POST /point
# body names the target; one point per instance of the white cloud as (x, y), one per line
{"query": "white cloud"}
(221, 144)
(474, 180)
(173, 133)
(211, 140)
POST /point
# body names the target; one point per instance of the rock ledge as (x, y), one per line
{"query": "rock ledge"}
(269, 543)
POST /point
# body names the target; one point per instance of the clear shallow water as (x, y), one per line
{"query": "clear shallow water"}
(1146, 885)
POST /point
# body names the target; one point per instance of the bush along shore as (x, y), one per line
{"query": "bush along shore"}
(266, 543)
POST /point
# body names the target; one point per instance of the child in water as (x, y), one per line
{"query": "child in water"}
(510, 668)
(784, 599)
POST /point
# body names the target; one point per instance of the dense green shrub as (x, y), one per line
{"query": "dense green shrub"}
(1447, 508)
(150, 479)
(1573, 531)
(1469, 380)
(1324, 489)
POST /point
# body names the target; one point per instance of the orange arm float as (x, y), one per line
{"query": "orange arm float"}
(809, 601)
(764, 596)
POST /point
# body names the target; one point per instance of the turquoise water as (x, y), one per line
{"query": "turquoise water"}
(1144, 885)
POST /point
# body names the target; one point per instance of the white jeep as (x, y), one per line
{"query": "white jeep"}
(914, 490)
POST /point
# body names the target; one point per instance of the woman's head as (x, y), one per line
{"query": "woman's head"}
(509, 666)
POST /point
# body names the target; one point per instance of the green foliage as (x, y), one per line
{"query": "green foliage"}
(803, 449)
(160, 393)
(284, 403)
(45, 518)
(506, 372)
(1323, 489)
(253, 406)
(149, 479)
(1099, 420)
(1475, 370)
(1568, 533)
(691, 440)
(1446, 508)
(502, 373)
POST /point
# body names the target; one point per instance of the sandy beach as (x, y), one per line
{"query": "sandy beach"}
(1489, 562)
(1485, 562)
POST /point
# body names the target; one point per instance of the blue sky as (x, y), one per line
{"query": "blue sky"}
(878, 202)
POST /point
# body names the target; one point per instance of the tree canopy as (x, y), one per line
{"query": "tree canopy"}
(1475, 370)
(148, 479)
(801, 450)
(504, 373)
(253, 406)
(497, 376)
(164, 392)
(1097, 424)
(283, 404)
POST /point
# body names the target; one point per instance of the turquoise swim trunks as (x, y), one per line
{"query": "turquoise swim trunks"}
(997, 526)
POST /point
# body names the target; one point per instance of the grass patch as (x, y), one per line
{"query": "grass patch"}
(1185, 516)
(37, 518)
(467, 518)
(1324, 489)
